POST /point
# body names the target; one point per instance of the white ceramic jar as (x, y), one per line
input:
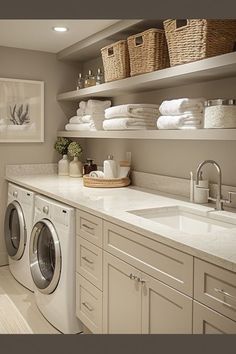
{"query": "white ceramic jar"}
(75, 168)
(63, 166)
(220, 114)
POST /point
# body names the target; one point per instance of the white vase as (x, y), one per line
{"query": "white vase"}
(63, 166)
(75, 168)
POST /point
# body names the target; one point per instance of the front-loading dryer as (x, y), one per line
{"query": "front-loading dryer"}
(17, 229)
(52, 263)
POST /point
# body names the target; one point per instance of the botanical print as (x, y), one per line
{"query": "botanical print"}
(21, 110)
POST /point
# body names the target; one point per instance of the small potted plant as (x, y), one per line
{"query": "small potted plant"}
(61, 146)
(76, 167)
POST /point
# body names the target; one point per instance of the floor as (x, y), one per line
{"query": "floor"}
(18, 311)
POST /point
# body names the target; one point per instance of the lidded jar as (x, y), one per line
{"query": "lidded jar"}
(220, 114)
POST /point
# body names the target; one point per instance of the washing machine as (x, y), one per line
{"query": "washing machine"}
(17, 229)
(52, 263)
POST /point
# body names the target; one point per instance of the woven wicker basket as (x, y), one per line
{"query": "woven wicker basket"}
(195, 39)
(105, 183)
(148, 51)
(115, 59)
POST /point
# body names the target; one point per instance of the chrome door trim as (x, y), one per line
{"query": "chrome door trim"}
(11, 250)
(41, 283)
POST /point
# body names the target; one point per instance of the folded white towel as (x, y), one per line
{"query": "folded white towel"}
(79, 119)
(126, 124)
(84, 126)
(177, 122)
(181, 105)
(80, 112)
(96, 106)
(132, 110)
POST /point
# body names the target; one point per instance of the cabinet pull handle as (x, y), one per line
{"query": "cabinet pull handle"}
(87, 260)
(85, 304)
(221, 291)
(142, 281)
(133, 277)
(88, 227)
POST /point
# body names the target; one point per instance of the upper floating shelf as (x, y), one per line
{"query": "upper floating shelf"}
(198, 134)
(90, 47)
(203, 70)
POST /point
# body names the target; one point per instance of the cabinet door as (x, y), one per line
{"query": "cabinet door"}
(207, 321)
(121, 297)
(164, 310)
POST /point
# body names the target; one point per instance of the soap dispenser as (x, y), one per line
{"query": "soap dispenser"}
(110, 168)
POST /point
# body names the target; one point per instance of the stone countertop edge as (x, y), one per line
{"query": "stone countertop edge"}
(210, 250)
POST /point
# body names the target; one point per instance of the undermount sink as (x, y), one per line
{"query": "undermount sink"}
(183, 219)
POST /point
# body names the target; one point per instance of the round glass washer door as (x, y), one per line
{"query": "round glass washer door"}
(45, 256)
(15, 231)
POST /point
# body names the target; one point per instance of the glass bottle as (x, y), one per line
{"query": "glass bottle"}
(89, 79)
(99, 77)
(80, 82)
(89, 166)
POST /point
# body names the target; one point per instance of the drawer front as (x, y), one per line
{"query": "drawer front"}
(89, 227)
(207, 321)
(89, 261)
(164, 263)
(88, 304)
(215, 287)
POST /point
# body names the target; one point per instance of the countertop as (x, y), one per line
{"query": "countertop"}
(113, 205)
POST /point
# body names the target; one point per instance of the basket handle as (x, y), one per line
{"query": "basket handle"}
(138, 41)
(181, 24)
(110, 52)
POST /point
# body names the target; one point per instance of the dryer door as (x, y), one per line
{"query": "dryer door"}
(45, 256)
(15, 230)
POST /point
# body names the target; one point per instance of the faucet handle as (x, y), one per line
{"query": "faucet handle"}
(229, 201)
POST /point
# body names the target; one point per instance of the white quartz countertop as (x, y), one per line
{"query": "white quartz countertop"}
(113, 205)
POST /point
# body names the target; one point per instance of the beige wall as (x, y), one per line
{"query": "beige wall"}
(58, 77)
(174, 157)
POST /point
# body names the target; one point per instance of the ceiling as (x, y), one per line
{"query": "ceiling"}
(38, 34)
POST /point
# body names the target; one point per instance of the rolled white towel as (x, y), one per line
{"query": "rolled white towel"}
(181, 105)
(177, 122)
(132, 110)
(96, 174)
(127, 124)
(83, 126)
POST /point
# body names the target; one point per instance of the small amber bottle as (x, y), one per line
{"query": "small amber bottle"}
(89, 166)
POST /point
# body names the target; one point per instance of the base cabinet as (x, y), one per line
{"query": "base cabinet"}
(207, 321)
(121, 297)
(164, 310)
(136, 303)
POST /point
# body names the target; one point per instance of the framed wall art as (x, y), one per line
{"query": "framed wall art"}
(21, 111)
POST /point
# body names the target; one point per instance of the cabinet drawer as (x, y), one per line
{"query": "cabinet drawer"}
(207, 321)
(88, 304)
(164, 263)
(89, 227)
(215, 287)
(89, 261)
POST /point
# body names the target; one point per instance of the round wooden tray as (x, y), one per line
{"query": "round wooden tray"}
(105, 183)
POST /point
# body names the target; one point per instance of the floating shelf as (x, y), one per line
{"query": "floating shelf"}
(90, 47)
(198, 134)
(221, 66)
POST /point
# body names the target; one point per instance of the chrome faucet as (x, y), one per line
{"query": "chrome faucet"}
(219, 201)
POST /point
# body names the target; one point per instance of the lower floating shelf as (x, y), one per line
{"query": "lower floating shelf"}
(198, 134)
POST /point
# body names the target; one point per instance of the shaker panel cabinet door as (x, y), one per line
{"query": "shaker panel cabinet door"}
(207, 321)
(121, 297)
(164, 310)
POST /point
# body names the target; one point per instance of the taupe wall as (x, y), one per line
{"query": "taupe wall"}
(25, 64)
(174, 157)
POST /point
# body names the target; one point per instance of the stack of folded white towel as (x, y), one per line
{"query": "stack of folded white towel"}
(90, 115)
(131, 117)
(183, 113)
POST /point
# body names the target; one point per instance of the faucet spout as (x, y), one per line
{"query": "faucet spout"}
(219, 202)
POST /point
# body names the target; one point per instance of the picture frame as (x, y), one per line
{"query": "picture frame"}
(21, 111)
